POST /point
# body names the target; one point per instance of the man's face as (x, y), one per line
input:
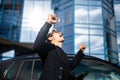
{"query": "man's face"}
(57, 36)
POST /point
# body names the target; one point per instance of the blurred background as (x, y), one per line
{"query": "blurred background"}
(95, 23)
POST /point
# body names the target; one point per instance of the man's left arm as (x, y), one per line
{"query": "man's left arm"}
(78, 57)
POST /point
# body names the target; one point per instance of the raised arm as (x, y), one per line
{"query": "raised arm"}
(42, 35)
(76, 60)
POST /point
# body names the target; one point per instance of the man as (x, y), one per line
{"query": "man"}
(55, 62)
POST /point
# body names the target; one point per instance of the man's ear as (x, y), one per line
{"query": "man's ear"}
(50, 38)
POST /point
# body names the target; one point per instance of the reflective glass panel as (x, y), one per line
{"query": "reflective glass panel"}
(67, 47)
(96, 44)
(81, 2)
(117, 12)
(35, 14)
(68, 38)
(81, 39)
(8, 1)
(112, 23)
(60, 15)
(81, 31)
(114, 43)
(8, 54)
(118, 37)
(69, 17)
(96, 26)
(94, 2)
(81, 14)
(95, 14)
(68, 30)
(26, 34)
(81, 25)
(18, 1)
(96, 31)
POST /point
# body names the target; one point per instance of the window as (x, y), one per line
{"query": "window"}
(96, 31)
(81, 39)
(8, 1)
(96, 44)
(81, 2)
(25, 72)
(37, 70)
(95, 70)
(12, 73)
(81, 14)
(94, 2)
(117, 11)
(81, 31)
(8, 55)
(69, 15)
(35, 14)
(60, 15)
(96, 26)
(68, 30)
(81, 25)
(68, 38)
(95, 14)
(67, 47)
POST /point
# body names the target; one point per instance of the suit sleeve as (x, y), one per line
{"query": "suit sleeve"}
(41, 47)
(41, 37)
(76, 60)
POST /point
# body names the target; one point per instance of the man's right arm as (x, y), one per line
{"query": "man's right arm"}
(41, 37)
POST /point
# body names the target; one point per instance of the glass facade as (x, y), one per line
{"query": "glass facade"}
(35, 14)
(10, 19)
(65, 12)
(10, 23)
(90, 22)
(117, 20)
(20, 20)
(110, 31)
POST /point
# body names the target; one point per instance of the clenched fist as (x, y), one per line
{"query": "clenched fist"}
(52, 19)
(82, 47)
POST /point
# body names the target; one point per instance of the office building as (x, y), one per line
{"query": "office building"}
(20, 21)
(117, 20)
(10, 24)
(10, 19)
(91, 22)
(35, 14)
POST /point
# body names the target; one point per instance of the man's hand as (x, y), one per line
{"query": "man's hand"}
(82, 47)
(52, 19)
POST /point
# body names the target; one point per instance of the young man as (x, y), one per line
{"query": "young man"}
(55, 62)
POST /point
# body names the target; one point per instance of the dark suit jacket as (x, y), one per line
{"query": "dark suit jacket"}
(55, 62)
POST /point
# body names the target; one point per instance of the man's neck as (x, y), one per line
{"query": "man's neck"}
(58, 44)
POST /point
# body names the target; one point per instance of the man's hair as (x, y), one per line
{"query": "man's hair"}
(51, 33)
